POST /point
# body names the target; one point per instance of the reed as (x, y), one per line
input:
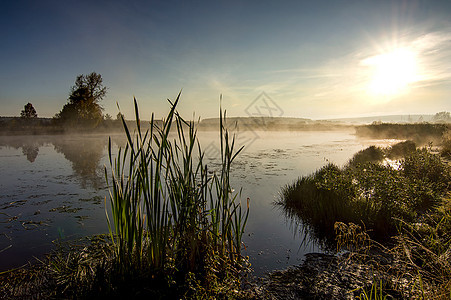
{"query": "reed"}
(168, 215)
(375, 292)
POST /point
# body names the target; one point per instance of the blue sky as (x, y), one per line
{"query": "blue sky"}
(315, 59)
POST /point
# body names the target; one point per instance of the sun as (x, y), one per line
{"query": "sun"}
(392, 72)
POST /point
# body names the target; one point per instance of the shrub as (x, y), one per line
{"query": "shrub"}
(446, 144)
(370, 154)
(401, 149)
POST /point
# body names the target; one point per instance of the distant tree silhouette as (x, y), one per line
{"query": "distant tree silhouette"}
(120, 116)
(83, 106)
(443, 116)
(108, 117)
(28, 112)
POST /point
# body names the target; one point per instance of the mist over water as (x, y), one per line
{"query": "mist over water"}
(53, 188)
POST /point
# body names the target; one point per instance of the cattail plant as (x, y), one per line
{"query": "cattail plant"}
(165, 207)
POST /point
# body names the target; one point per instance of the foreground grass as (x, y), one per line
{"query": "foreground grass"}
(396, 218)
(86, 269)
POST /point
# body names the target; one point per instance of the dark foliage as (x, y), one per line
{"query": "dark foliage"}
(83, 106)
(401, 149)
(370, 154)
(28, 112)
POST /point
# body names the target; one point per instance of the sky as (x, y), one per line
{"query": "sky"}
(309, 59)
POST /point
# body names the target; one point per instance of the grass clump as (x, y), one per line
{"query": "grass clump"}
(401, 149)
(170, 218)
(370, 154)
(446, 144)
(396, 220)
(368, 193)
(374, 292)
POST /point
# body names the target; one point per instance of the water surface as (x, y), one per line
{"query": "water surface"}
(53, 188)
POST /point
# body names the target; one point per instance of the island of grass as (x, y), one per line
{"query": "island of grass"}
(388, 211)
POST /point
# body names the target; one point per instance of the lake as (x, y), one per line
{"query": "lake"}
(53, 188)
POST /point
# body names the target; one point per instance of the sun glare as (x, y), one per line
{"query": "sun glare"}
(392, 72)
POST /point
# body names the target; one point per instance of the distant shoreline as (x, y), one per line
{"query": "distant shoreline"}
(48, 126)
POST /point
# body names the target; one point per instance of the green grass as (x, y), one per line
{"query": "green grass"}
(169, 217)
(396, 220)
(375, 292)
(368, 193)
(446, 144)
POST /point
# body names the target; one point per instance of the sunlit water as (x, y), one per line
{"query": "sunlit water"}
(53, 188)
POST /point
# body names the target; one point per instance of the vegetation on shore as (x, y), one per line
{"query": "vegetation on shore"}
(420, 133)
(395, 216)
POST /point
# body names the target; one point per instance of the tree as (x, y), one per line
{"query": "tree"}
(28, 112)
(442, 117)
(108, 117)
(83, 106)
(120, 116)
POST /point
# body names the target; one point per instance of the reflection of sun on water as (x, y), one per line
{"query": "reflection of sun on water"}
(392, 72)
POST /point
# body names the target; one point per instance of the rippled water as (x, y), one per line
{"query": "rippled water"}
(53, 188)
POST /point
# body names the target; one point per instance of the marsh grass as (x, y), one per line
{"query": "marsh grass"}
(416, 265)
(368, 193)
(401, 149)
(446, 144)
(398, 221)
(169, 217)
(423, 248)
(370, 154)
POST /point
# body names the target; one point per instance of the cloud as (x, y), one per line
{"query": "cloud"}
(434, 50)
(433, 56)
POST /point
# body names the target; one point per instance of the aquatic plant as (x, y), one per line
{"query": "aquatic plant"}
(168, 215)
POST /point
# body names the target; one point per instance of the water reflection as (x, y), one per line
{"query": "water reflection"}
(85, 155)
(306, 234)
(53, 188)
(29, 144)
(31, 152)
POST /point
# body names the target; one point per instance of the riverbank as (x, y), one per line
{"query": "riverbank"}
(391, 217)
